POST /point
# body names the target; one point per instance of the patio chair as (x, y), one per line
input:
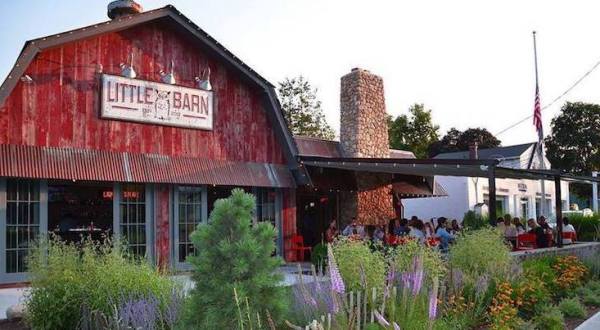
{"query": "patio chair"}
(526, 242)
(298, 247)
(570, 235)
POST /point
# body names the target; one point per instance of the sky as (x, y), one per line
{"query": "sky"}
(470, 62)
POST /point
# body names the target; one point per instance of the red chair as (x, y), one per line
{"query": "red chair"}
(298, 247)
(526, 242)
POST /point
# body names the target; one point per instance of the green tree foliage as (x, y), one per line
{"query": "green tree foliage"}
(413, 132)
(456, 140)
(302, 109)
(574, 144)
(233, 254)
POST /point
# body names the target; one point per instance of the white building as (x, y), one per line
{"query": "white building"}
(520, 198)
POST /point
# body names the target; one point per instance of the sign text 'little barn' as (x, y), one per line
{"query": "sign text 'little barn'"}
(156, 103)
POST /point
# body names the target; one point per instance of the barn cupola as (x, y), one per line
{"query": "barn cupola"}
(121, 8)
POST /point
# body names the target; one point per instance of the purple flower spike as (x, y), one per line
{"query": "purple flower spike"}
(432, 306)
(337, 284)
(406, 280)
(380, 319)
(396, 326)
(417, 282)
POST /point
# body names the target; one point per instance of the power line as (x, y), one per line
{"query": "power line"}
(555, 99)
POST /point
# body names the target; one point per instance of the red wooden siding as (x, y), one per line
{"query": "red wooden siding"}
(288, 220)
(61, 107)
(161, 211)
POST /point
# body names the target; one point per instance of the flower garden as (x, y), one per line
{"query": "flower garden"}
(353, 285)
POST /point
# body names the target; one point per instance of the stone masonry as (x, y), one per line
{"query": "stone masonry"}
(364, 134)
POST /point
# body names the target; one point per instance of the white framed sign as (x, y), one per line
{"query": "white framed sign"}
(156, 103)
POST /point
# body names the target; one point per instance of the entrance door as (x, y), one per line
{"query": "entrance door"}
(315, 210)
(132, 208)
(190, 210)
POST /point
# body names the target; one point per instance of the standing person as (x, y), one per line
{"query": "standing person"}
(331, 232)
(541, 240)
(567, 228)
(442, 233)
(519, 226)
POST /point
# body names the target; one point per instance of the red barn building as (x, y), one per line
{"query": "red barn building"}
(135, 126)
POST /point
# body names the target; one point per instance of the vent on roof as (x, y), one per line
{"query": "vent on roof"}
(120, 8)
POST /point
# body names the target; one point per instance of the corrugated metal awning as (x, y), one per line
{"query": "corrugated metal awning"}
(97, 165)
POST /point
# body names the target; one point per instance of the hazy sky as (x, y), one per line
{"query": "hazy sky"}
(471, 62)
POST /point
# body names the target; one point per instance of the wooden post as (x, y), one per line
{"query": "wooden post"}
(559, 218)
(492, 194)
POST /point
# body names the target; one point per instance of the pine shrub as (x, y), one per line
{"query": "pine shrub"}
(572, 307)
(235, 275)
(549, 317)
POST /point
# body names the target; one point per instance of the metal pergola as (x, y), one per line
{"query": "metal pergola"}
(486, 168)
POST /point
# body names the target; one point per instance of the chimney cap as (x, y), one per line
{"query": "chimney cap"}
(120, 8)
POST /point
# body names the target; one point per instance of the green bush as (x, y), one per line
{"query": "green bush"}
(68, 278)
(360, 267)
(572, 307)
(549, 317)
(433, 264)
(474, 221)
(481, 252)
(233, 270)
(591, 298)
(540, 269)
(318, 256)
(587, 228)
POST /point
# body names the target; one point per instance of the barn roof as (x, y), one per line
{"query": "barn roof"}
(171, 14)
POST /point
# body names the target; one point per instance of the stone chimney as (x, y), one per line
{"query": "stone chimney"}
(121, 8)
(364, 134)
(474, 150)
(363, 126)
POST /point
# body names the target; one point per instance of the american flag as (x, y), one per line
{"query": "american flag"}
(537, 113)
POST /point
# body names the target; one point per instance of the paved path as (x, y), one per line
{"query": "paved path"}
(593, 323)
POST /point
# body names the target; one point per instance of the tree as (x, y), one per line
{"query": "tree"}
(456, 140)
(574, 144)
(413, 132)
(302, 110)
(233, 254)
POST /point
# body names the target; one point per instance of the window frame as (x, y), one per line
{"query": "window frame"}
(149, 216)
(182, 265)
(42, 226)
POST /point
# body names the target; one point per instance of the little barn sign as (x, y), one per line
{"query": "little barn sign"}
(156, 103)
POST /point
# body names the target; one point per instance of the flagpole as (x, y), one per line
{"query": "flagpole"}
(540, 146)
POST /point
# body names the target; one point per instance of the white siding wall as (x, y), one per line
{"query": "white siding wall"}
(454, 206)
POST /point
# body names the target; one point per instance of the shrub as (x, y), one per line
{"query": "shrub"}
(528, 293)
(481, 252)
(361, 267)
(318, 256)
(591, 298)
(67, 279)
(433, 264)
(233, 267)
(474, 221)
(572, 307)
(549, 317)
(571, 272)
(587, 228)
(503, 313)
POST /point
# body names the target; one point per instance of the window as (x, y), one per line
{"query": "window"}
(188, 217)
(133, 218)
(265, 206)
(524, 208)
(22, 222)
(500, 204)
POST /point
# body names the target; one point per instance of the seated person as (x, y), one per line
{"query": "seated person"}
(455, 228)
(500, 224)
(442, 233)
(510, 232)
(352, 227)
(519, 226)
(331, 232)
(379, 234)
(401, 227)
(544, 224)
(416, 230)
(567, 228)
(541, 240)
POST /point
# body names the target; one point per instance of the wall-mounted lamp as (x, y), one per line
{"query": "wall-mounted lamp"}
(204, 80)
(127, 70)
(27, 79)
(168, 78)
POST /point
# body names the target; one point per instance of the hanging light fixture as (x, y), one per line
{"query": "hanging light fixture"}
(127, 70)
(204, 80)
(168, 78)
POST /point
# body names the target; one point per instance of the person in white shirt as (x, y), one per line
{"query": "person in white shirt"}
(567, 228)
(416, 230)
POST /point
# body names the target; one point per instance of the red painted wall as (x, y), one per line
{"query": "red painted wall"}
(61, 107)
(288, 221)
